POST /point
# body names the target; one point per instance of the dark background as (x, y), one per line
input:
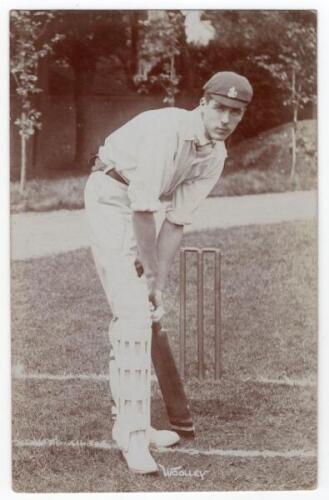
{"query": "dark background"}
(89, 87)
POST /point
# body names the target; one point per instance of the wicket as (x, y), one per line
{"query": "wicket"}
(200, 309)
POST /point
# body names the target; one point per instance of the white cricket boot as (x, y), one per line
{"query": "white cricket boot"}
(138, 456)
(163, 438)
(159, 438)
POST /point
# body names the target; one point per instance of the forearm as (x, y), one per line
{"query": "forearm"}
(168, 242)
(145, 233)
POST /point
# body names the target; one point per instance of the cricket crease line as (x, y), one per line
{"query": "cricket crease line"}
(282, 381)
(106, 445)
(98, 377)
(102, 377)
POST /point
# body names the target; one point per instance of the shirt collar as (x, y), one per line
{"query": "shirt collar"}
(194, 129)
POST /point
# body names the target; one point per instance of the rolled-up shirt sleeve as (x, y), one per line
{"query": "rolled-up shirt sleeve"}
(189, 195)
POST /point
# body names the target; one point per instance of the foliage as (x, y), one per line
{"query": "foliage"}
(161, 36)
(152, 51)
(242, 41)
(293, 62)
(28, 46)
(292, 67)
(89, 36)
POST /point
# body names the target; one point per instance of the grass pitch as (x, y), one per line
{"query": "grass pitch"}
(264, 403)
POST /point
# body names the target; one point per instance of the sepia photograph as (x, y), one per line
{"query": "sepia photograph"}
(164, 250)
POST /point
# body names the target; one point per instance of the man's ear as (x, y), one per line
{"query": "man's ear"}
(203, 101)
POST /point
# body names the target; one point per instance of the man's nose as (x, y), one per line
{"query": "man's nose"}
(225, 118)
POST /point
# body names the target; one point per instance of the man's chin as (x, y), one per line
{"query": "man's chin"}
(220, 136)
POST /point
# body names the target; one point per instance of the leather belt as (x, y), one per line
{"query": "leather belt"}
(97, 164)
(115, 175)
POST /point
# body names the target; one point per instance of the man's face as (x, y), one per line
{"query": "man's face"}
(219, 119)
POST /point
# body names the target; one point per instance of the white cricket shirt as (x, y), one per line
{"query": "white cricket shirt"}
(164, 153)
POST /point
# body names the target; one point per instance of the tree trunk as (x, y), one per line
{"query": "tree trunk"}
(293, 145)
(134, 17)
(187, 70)
(294, 128)
(41, 102)
(81, 85)
(23, 164)
(171, 95)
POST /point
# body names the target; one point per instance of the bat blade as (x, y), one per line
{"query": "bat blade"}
(170, 383)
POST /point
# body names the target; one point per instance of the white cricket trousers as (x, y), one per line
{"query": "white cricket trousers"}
(130, 332)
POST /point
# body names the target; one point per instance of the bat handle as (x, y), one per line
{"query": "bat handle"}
(156, 326)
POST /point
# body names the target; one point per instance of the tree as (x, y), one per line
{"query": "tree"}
(293, 67)
(29, 44)
(161, 44)
(169, 41)
(89, 37)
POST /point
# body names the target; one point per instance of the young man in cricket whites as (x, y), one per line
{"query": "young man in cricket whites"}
(165, 152)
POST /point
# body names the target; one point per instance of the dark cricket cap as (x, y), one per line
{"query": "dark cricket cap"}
(229, 88)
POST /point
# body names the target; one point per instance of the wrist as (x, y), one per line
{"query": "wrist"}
(151, 280)
(151, 270)
(159, 285)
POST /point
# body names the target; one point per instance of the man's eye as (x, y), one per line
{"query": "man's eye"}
(235, 112)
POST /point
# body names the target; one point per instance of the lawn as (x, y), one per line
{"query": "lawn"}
(265, 401)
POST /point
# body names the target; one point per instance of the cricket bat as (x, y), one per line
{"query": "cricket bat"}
(170, 383)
